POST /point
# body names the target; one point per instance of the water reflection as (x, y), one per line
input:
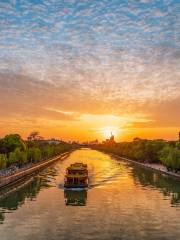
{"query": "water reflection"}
(75, 197)
(168, 186)
(11, 198)
(123, 200)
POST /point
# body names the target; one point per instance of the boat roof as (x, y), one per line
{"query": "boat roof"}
(78, 166)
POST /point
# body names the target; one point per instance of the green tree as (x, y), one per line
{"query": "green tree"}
(17, 157)
(13, 141)
(12, 158)
(3, 161)
(37, 154)
(34, 154)
(170, 157)
(178, 145)
(22, 158)
(175, 158)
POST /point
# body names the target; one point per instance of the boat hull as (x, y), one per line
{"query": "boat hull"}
(75, 186)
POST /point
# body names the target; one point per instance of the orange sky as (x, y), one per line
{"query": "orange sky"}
(86, 127)
(85, 69)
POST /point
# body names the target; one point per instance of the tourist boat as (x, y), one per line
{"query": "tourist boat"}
(76, 176)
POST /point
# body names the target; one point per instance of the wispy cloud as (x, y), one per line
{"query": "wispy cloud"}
(96, 57)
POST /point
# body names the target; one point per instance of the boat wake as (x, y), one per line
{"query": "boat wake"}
(99, 178)
(102, 169)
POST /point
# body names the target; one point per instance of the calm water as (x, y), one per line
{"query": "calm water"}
(123, 202)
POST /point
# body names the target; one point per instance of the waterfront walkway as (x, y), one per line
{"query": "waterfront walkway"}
(154, 166)
(29, 170)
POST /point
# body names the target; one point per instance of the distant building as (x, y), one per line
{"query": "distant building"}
(136, 139)
(54, 141)
(95, 142)
(110, 141)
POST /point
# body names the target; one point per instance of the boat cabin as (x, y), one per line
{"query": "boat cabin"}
(76, 175)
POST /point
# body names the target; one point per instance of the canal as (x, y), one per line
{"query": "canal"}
(124, 201)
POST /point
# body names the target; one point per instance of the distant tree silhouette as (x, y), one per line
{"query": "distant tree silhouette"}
(35, 136)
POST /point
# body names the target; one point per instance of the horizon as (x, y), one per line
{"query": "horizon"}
(89, 119)
(80, 70)
(107, 137)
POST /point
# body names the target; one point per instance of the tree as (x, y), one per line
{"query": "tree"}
(17, 157)
(34, 154)
(46, 151)
(3, 161)
(21, 156)
(3, 148)
(37, 155)
(34, 136)
(11, 142)
(175, 159)
(170, 157)
(178, 145)
(12, 158)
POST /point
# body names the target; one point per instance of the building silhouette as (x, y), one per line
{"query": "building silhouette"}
(109, 141)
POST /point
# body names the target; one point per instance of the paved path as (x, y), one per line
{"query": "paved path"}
(154, 166)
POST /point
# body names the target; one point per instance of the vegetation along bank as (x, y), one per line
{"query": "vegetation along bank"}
(18, 155)
(158, 154)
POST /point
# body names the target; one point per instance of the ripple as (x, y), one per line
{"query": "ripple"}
(122, 202)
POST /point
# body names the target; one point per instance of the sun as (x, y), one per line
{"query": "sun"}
(108, 130)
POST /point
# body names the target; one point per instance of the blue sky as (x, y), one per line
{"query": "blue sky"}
(131, 24)
(122, 56)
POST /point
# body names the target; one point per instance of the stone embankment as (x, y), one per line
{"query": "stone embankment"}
(156, 167)
(22, 173)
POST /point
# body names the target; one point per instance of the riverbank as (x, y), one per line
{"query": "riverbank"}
(153, 166)
(22, 173)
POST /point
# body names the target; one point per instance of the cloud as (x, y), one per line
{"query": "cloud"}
(96, 57)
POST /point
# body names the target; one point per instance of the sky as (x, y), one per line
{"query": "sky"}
(80, 69)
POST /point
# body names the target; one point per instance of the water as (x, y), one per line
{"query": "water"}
(124, 201)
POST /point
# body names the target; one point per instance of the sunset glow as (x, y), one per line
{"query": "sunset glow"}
(107, 131)
(83, 69)
(89, 119)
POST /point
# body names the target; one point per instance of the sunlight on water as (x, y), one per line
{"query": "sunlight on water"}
(123, 201)
(102, 169)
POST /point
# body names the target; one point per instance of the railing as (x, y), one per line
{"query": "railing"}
(28, 170)
(16, 169)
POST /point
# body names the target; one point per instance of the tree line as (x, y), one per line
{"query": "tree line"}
(147, 151)
(14, 151)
